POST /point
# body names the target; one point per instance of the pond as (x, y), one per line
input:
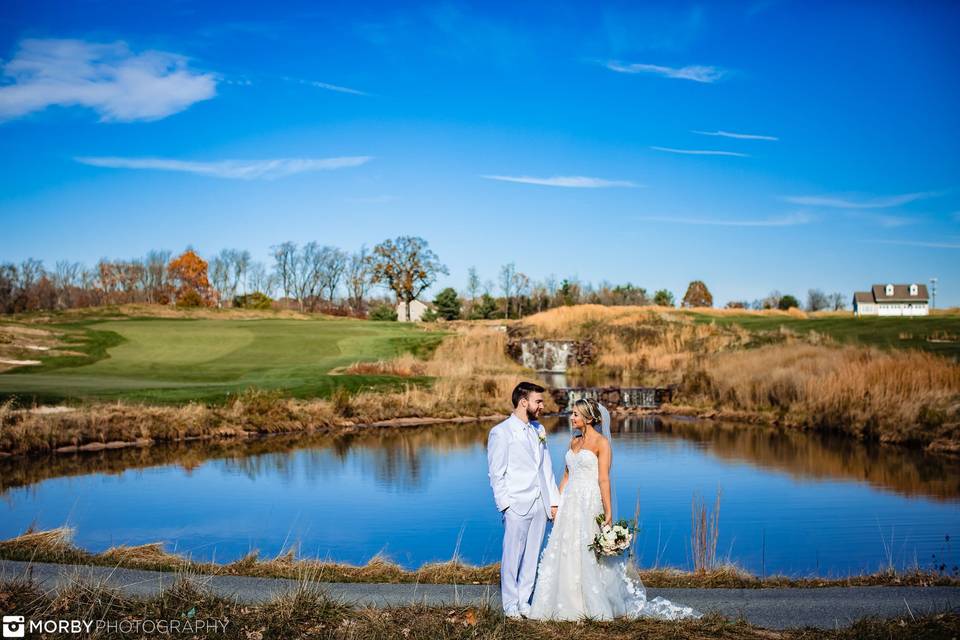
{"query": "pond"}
(791, 503)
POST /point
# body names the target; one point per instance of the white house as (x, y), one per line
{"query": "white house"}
(417, 309)
(892, 300)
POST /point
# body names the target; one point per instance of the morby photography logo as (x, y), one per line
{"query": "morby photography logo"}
(13, 626)
(20, 627)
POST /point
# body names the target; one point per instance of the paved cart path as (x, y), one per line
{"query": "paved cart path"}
(779, 608)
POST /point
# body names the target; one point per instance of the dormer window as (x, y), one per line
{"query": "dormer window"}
(889, 290)
(914, 290)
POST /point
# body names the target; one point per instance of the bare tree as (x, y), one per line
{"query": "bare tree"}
(258, 279)
(473, 286)
(239, 263)
(219, 270)
(305, 274)
(817, 300)
(521, 287)
(284, 256)
(359, 272)
(332, 263)
(156, 284)
(837, 301)
(406, 266)
(508, 274)
(65, 280)
(772, 301)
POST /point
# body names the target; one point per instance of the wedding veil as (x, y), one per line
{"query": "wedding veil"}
(605, 430)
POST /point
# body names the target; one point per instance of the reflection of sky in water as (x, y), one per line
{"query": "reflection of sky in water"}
(412, 497)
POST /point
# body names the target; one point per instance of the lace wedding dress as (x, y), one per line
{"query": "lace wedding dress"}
(571, 582)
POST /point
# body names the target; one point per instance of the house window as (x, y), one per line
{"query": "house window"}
(914, 290)
(889, 289)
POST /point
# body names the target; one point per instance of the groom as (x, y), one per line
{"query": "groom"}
(525, 491)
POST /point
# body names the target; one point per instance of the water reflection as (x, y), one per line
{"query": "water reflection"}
(793, 502)
(406, 459)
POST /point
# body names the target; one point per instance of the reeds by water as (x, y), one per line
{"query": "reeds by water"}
(705, 531)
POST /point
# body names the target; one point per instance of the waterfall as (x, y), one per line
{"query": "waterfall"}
(551, 356)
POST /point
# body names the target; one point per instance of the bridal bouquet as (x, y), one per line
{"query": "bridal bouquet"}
(613, 539)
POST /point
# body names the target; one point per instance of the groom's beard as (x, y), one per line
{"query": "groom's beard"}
(532, 415)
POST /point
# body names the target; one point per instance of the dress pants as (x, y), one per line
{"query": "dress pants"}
(522, 539)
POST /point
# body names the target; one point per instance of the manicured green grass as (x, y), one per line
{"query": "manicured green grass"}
(177, 360)
(900, 333)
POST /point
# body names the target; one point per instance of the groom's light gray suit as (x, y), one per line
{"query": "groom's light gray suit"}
(521, 475)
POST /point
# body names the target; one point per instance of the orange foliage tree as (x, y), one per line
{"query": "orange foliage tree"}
(188, 271)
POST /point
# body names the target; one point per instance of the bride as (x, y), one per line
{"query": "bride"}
(571, 582)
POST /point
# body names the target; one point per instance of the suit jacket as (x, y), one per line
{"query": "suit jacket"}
(519, 471)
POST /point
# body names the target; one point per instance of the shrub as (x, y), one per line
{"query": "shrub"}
(383, 312)
(254, 300)
(190, 298)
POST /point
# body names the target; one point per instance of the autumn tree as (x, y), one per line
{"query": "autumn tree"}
(697, 295)
(188, 271)
(407, 267)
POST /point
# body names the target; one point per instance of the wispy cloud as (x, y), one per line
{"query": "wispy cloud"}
(328, 87)
(579, 182)
(697, 73)
(739, 136)
(702, 152)
(849, 202)
(109, 78)
(919, 243)
(784, 221)
(234, 169)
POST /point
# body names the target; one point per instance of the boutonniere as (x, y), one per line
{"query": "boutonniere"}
(542, 434)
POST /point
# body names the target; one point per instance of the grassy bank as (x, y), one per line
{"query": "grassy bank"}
(755, 367)
(469, 376)
(55, 545)
(307, 612)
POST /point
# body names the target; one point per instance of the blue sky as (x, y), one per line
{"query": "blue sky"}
(756, 146)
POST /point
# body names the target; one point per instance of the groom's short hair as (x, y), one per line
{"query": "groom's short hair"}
(523, 390)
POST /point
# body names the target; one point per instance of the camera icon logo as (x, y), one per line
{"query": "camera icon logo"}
(14, 626)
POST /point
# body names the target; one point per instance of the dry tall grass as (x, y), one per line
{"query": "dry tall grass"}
(637, 345)
(473, 377)
(705, 531)
(56, 545)
(897, 396)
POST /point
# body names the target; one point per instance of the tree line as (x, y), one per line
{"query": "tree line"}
(323, 278)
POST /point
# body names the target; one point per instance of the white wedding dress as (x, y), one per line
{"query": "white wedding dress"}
(571, 582)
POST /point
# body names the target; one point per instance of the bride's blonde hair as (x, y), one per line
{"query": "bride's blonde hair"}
(589, 409)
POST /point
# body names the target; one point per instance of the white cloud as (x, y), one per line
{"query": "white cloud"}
(697, 73)
(784, 221)
(581, 182)
(109, 78)
(846, 202)
(702, 152)
(739, 136)
(919, 243)
(235, 169)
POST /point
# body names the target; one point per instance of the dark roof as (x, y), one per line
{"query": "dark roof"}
(901, 293)
(863, 297)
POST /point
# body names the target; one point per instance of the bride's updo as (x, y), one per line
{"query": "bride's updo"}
(590, 410)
